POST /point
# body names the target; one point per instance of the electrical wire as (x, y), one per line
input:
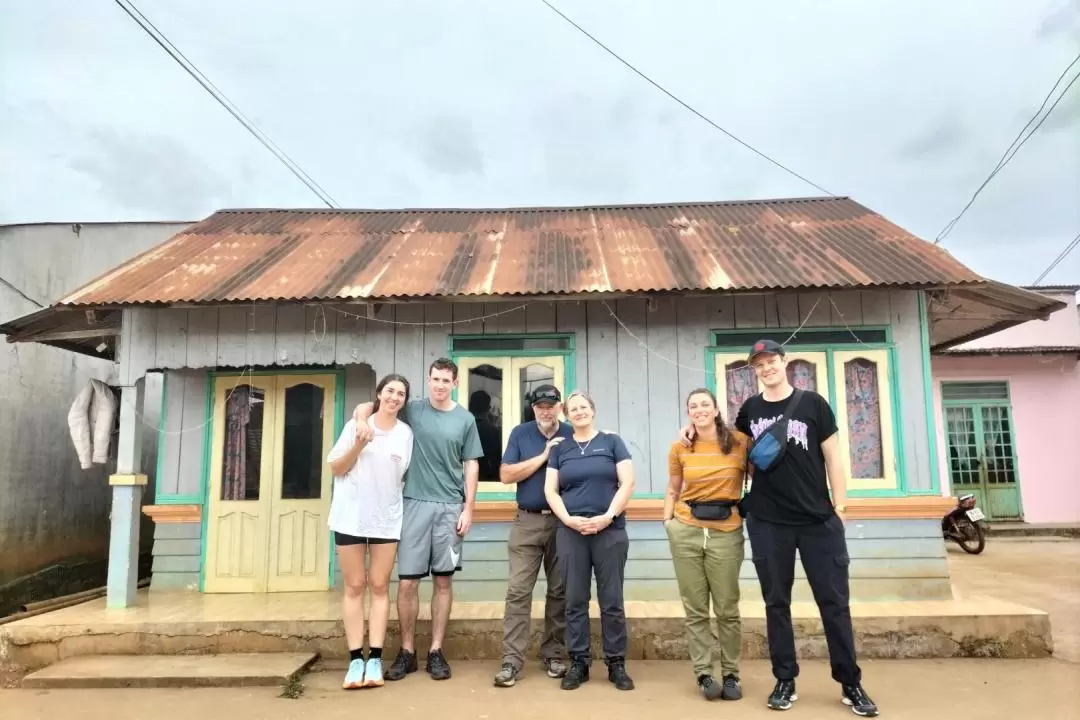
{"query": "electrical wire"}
(1064, 254)
(159, 37)
(1014, 148)
(671, 95)
(26, 297)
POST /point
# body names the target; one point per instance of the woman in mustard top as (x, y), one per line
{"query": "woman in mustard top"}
(705, 533)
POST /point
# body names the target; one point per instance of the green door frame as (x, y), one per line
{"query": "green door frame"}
(983, 489)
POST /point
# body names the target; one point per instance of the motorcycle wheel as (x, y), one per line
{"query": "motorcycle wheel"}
(970, 537)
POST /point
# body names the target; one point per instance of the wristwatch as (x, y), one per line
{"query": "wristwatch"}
(841, 508)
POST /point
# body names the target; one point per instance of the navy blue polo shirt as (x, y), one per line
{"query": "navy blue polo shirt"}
(526, 442)
(587, 477)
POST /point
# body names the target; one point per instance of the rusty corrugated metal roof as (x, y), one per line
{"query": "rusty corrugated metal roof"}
(247, 255)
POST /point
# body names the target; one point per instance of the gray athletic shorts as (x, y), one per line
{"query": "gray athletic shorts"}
(429, 539)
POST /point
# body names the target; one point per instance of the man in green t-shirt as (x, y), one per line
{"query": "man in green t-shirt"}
(439, 495)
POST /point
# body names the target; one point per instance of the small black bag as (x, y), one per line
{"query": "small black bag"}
(713, 510)
(769, 448)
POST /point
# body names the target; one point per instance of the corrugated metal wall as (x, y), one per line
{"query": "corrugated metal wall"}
(52, 511)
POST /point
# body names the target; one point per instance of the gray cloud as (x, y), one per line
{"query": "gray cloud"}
(152, 173)
(946, 136)
(449, 145)
(492, 103)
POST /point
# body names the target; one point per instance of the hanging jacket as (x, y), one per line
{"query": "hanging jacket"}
(90, 420)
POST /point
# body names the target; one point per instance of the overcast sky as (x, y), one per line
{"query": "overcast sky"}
(905, 105)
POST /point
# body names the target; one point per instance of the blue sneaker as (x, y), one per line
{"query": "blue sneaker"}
(373, 673)
(354, 678)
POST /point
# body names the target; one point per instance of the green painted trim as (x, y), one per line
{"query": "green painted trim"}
(808, 348)
(180, 500)
(496, 496)
(928, 394)
(887, 329)
(208, 438)
(569, 356)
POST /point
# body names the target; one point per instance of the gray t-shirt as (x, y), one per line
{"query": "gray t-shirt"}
(442, 441)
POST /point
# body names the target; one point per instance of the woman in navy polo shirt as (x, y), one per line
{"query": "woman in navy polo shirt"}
(589, 481)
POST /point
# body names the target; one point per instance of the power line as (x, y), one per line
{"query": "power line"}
(20, 292)
(1013, 148)
(671, 95)
(159, 37)
(1064, 254)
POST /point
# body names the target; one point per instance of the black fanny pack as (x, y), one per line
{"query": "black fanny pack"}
(713, 510)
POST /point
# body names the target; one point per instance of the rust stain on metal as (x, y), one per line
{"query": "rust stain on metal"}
(247, 255)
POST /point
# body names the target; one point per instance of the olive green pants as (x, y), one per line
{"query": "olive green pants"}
(707, 564)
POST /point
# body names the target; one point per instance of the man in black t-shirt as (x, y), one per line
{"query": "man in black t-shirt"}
(788, 509)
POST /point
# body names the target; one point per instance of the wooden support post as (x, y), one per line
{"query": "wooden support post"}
(127, 490)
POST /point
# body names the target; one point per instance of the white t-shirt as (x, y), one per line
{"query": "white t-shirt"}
(367, 499)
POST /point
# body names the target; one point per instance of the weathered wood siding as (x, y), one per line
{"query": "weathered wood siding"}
(638, 370)
(891, 560)
(177, 556)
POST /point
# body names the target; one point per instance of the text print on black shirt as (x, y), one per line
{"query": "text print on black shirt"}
(796, 492)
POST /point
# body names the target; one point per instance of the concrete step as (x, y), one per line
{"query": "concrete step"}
(171, 671)
(1021, 529)
(184, 625)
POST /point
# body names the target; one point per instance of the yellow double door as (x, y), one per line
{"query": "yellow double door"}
(270, 484)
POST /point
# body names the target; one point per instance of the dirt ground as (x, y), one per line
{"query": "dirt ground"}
(905, 690)
(1042, 573)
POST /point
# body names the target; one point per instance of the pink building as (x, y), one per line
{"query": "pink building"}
(1006, 407)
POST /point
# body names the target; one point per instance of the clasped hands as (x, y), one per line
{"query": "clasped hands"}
(589, 525)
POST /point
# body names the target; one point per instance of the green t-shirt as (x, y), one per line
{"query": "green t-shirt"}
(442, 441)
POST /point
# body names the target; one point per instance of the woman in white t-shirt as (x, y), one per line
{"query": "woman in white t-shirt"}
(366, 513)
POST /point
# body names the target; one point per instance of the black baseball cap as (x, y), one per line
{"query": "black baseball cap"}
(765, 346)
(546, 394)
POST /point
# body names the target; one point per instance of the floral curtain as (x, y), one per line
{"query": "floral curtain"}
(234, 469)
(742, 385)
(864, 418)
(802, 375)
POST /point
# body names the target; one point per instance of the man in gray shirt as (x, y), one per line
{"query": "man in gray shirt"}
(439, 496)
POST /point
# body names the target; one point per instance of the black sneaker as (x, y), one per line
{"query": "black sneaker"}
(404, 664)
(709, 687)
(859, 702)
(783, 695)
(616, 674)
(575, 676)
(732, 688)
(437, 667)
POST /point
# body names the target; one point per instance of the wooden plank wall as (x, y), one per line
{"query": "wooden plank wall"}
(891, 561)
(638, 358)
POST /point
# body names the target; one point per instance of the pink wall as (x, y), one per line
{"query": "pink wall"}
(1045, 394)
(1060, 329)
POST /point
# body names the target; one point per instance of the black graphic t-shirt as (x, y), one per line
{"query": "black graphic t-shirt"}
(796, 492)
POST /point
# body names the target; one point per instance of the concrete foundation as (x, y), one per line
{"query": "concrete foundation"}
(170, 671)
(311, 623)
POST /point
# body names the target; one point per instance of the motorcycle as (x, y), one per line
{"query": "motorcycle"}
(964, 525)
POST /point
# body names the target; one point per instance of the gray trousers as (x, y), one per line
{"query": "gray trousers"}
(582, 556)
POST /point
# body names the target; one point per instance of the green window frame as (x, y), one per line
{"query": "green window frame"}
(809, 340)
(562, 345)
